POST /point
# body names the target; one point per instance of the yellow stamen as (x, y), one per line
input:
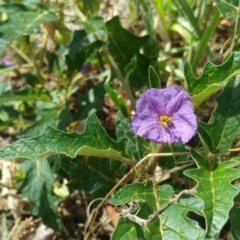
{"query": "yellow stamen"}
(165, 120)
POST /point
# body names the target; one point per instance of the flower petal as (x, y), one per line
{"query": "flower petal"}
(185, 127)
(173, 102)
(148, 127)
(178, 101)
(143, 124)
(149, 103)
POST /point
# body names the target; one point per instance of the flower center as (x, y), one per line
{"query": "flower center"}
(165, 120)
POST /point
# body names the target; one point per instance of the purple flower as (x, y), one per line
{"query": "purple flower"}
(165, 116)
(6, 62)
(86, 68)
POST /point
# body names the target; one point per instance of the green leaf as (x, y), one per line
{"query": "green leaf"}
(26, 19)
(78, 39)
(234, 215)
(59, 118)
(137, 147)
(75, 60)
(26, 94)
(215, 190)
(139, 77)
(174, 161)
(4, 87)
(48, 116)
(94, 175)
(226, 119)
(206, 139)
(171, 224)
(131, 67)
(228, 8)
(152, 47)
(89, 6)
(91, 102)
(94, 141)
(120, 104)
(153, 77)
(95, 26)
(122, 44)
(212, 79)
(38, 188)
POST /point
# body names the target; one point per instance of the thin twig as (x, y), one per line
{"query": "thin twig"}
(154, 160)
(14, 229)
(145, 222)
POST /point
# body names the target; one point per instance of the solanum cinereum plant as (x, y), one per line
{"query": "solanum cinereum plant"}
(150, 149)
(153, 210)
(166, 116)
(168, 186)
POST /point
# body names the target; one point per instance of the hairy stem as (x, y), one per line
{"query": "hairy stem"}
(154, 160)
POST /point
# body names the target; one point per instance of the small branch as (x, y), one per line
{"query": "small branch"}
(14, 229)
(77, 11)
(154, 160)
(22, 55)
(175, 199)
(7, 186)
(143, 222)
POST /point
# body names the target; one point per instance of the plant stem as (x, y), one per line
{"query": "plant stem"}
(119, 76)
(163, 25)
(192, 19)
(14, 67)
(78, 13)
(204, 40)
(189, 13)
(235, 28)
(22, 55)
(145, 222)
(154, 160)
(29, 61)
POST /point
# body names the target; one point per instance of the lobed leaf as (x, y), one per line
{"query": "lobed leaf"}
(137, 147)
(171, 224)
(221, 133)
(228, 8)
(123, 45)
(215, 190)
(234, 215)
(95, 26)
(26, 19)
(56, 117)
(91, 102)
(139, 77)
(78, 39)
(26, 94)
(173, 161)
(95, 175)
(37, 187)
(212, 79)
(94, 141)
